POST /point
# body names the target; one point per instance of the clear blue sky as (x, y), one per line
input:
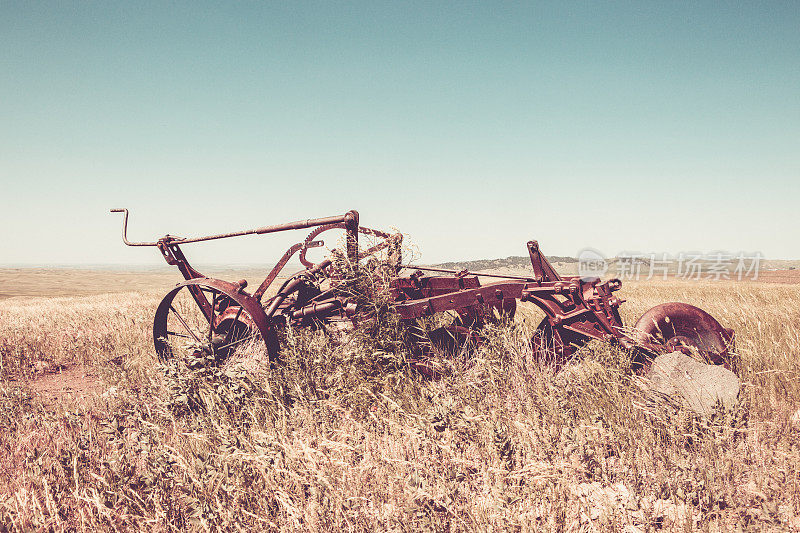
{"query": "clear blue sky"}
(472, 127)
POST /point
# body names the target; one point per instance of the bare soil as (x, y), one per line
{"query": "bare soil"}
(79, 384)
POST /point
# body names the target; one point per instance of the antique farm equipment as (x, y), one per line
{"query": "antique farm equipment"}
(214, 318)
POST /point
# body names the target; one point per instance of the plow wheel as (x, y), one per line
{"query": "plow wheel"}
(447, 335)
(426, 339)
(443, 334)
(553, 346)
(211, 319)
(437, 335)
(685, 328)
(475, 317)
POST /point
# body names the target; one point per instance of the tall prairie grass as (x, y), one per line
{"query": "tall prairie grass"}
(344, 436)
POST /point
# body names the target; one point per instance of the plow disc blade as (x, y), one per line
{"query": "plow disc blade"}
(682, 327)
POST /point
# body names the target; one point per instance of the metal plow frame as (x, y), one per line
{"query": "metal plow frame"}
(577, 309)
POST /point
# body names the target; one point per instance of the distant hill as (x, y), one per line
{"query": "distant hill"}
(625, 267)
(514, 262)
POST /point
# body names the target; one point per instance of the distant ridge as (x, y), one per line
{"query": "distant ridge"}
(514, 262)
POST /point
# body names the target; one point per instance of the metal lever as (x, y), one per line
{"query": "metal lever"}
(125, 230)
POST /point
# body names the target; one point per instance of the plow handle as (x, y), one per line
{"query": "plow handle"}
(125, 230)
(350, 219)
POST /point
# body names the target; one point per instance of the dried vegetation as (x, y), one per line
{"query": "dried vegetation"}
(344, 436)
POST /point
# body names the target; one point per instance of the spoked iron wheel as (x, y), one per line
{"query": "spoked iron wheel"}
(210, 319)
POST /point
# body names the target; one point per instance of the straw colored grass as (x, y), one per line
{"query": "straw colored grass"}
(345, 437)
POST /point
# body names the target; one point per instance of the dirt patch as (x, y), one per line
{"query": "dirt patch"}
(79, 384)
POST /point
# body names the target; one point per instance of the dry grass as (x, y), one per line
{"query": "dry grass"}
(346, 437)
(32, 282)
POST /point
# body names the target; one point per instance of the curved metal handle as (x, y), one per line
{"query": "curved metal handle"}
(125, 230)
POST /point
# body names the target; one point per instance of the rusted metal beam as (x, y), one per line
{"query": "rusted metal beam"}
(348, 217)
(466, 273)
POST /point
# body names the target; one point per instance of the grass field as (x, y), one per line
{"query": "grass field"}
(26, 282)
(345, 437)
